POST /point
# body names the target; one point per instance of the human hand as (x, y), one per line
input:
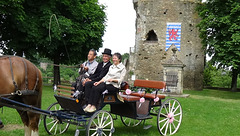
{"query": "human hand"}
(110, 80)
(83, 82)
(86, 68)
(96, 83)
(87, 79)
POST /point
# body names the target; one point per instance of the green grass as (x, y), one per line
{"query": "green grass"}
(205, 113)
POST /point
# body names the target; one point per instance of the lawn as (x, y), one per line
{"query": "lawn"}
(207, 112)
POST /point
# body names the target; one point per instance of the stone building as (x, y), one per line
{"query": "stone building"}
(159, 25)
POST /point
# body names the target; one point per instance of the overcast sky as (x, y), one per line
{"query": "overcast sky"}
(120, 30)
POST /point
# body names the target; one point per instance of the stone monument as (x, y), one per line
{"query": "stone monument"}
(173, 73)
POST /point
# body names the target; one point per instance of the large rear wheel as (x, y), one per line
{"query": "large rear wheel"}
(51, 124)
(169, 117)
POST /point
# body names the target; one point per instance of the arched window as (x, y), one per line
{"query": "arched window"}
(151, 36)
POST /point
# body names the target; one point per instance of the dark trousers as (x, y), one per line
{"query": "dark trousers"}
(87, 90)
(95, 92)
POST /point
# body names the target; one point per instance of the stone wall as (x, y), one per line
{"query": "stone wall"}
(149, 51)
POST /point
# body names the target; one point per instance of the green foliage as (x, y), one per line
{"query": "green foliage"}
(220, 33)
(69, 74)
(60, 30)
(219, 30)
(208, 76)
(125, 56)
(217, 77)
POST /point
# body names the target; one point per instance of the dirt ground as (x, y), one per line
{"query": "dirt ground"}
(10, 127)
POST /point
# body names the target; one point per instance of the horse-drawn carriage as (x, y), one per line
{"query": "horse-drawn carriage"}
(133, 107)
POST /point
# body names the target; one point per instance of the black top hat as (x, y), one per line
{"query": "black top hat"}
(107, 51)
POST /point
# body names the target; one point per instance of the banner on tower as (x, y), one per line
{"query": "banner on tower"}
(173, 35)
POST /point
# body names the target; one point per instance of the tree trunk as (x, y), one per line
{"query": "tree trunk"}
(234, 79)
(56, 71)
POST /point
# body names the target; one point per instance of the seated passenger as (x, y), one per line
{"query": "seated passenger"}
(101, 71)
(111, 82)
(90, 66)
(86, 69)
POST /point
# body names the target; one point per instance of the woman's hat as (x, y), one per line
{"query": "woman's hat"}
(107, 51)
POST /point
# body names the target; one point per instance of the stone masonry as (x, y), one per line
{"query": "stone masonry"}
(150, 52)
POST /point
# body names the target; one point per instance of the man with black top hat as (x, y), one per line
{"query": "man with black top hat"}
(100, 72)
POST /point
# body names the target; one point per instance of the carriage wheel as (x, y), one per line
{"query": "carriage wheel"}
(155, 110)
(169, 117)
(100, 124)
(51, 124)
(128, 122)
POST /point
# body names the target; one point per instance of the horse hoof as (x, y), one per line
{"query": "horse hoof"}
(1, 126)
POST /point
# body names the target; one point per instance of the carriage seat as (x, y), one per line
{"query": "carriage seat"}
(130, 98)
(114, 97)
(65, 91)
(149, 84)
(148, 95)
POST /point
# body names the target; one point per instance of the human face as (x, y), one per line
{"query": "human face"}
(91, 56)
(115, 59)
(105, 58)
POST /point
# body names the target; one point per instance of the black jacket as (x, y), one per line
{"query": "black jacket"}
(100, 71)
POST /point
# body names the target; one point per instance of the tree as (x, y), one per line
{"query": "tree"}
(61, 30)
(220, 33)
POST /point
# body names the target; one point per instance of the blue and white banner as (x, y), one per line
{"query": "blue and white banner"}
(173, 35)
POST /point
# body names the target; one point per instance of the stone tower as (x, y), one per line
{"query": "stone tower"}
(160, 24)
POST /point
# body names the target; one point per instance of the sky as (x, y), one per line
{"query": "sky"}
(120, 30)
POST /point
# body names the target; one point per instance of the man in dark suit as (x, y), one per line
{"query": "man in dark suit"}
(100, 72)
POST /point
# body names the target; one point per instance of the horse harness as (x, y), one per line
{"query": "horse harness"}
(26, 91)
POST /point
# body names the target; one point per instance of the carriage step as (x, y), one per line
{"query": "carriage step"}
(147, 127)
(143, 117)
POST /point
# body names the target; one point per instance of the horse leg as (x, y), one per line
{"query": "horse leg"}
(31, 122)
(27, 131)
(1, 124)
(25, 120)
(34, 123)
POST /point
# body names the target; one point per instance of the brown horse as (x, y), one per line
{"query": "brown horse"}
(20, 74)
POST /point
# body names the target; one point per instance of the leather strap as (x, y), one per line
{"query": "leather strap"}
(14, 83)
(26, 72)
(36, 79)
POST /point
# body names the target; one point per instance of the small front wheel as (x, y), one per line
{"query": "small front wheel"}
(169, 117)
(128, 122)
(100, 124)
(51, 124)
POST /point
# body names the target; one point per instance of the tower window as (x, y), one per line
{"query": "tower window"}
(151, 36)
